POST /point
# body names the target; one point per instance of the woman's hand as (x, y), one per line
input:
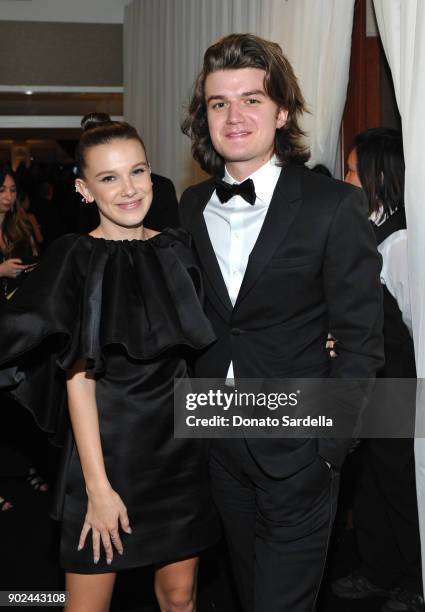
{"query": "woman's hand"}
(105, 512)
(13, 267)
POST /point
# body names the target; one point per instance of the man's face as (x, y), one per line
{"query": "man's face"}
(242, 119)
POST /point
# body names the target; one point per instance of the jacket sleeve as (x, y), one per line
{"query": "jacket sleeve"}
(353, 292)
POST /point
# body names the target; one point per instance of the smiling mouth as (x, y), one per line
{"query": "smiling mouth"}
(234, 135)
(130, 205)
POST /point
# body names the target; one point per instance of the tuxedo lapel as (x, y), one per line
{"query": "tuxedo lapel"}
(282, 210)
(209, 263)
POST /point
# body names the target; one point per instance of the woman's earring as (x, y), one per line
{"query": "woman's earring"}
(83, 199)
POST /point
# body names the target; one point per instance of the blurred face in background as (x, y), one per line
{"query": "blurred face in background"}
(25, 202)
(351, 175)
(7, 194)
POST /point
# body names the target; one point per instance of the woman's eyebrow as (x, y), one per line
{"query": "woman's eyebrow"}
(141, 163)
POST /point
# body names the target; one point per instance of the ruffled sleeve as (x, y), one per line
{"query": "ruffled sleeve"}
(87, 295)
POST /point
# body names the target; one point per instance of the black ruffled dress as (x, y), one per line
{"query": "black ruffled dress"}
(131, 310)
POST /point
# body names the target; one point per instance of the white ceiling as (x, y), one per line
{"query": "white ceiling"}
(70, 11)
(93, 11)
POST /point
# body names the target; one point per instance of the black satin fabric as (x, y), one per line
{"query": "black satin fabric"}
(130, 309)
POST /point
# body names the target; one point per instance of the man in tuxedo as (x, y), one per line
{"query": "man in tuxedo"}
(288, 256)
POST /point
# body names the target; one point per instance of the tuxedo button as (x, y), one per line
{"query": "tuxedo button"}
(236, 331)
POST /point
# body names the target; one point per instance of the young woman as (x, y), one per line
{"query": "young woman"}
(17, 245)
(17, 248)
(115, 313)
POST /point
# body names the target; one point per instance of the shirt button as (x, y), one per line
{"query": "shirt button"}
(236, 331)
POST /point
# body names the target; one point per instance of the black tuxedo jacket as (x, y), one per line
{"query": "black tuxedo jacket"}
(314, 269)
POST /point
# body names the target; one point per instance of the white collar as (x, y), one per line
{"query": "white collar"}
(265, 179)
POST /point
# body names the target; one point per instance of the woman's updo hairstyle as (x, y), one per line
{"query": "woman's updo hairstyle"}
(99, 129)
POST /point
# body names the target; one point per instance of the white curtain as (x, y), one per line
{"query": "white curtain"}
(402, 28)
(164, 42)
(316, 37)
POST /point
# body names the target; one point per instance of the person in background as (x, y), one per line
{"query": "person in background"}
(18, 253)
(18, 250)
(25, 212)
(385, 508)
(50, 214)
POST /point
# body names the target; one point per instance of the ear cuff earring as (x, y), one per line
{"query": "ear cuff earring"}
(83, 199)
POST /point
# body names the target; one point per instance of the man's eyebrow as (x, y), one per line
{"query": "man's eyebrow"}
(256, 92)
(245, 94)
(216, 97)
(142, 163)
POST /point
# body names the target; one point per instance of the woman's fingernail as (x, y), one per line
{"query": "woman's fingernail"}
(79, 547)
(96, 559)
(109, 561)
(120, 552)
(129, 530)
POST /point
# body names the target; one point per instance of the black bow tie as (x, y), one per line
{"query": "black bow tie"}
(225, 191)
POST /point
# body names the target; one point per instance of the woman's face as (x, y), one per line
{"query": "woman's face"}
(117, 178)
(7, 194)
(351, 175)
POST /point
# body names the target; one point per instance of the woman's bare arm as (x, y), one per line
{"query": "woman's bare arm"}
(105, 509)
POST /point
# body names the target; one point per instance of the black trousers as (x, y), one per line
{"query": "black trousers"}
(386, 514)
(277, 530)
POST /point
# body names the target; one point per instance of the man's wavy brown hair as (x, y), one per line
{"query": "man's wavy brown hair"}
(280, 83)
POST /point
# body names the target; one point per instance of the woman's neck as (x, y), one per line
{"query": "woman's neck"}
(120, 233)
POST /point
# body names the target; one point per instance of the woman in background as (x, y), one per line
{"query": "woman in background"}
(385, 507)
(17, 246)
(17, 255)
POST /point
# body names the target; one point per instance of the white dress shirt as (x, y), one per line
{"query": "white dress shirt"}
(395, 272)
(233, 227)
(395, 268)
